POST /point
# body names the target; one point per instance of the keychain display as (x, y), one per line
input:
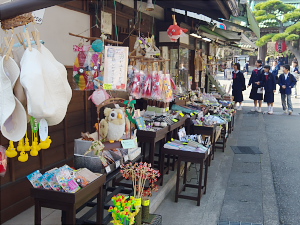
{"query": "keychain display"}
(88, 69)
(155, 85)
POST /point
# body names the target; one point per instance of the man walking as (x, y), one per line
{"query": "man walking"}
(286, 82)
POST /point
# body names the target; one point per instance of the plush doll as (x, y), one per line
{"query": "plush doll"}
(174, 31)
(113, 126)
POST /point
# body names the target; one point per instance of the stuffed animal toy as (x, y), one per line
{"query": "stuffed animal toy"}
(174, 31)
(113, 126)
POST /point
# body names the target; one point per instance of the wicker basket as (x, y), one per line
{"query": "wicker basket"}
(17, 21)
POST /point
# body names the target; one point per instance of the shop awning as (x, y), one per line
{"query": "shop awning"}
(15, 8)
(214, 9)
(252, 22)
(227, 36)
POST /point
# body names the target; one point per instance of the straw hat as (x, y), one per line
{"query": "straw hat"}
(13, 115)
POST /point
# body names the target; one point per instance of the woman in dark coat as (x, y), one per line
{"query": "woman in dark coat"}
(238, 85)
(255, 81)
(269, 85)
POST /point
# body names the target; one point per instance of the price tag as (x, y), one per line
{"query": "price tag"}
(181, 114)
(43, 129)
(34, 124)
(130, 143)
(108, 169)
(108, 86)
(118, 164)
(126, 158)
(175, 120)
(192, 114)
(167, 109)
(38, 15)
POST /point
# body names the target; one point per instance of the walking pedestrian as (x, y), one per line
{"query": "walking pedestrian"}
(247, 67)
(238, 85)
(295, 72)
(275, 69)
(286, 82)
(255, 81)
(269, 85)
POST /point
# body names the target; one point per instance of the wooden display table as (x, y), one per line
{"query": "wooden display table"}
(193, 157)
(69, 202)
(152, 138)
(210, 131)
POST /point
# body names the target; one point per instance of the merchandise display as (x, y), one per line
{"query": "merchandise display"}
(126, 112)
(63, 179)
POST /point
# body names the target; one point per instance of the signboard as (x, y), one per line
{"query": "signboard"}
(115, 64)
(106, 23)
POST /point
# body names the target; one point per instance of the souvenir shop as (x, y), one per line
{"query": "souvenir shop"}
(99, 104)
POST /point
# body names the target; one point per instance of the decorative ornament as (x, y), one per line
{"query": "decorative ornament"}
(174, 31)
(280, 46)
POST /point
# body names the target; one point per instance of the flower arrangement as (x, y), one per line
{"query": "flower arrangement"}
(139, 173)
(124, 210)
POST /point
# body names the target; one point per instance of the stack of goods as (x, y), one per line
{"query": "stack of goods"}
(150, 122)
(150, 84)
(209, 120)
(192, 143)
(64, 179)
(96, 158)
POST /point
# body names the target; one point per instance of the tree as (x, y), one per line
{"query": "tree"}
(275, 13)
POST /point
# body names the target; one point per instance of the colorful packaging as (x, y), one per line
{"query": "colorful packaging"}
(65, 177)
(34, 179)
(3, 161)
(52, 181)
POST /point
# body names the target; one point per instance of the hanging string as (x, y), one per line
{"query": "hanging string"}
(116, 27)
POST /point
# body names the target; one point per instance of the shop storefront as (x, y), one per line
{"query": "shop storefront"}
(122, 97)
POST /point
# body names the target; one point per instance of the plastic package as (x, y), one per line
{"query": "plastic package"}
(3, 161)
(88, 70)
(34, 179)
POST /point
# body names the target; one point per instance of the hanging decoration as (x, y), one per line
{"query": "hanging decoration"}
(280, 46)
(174, 31)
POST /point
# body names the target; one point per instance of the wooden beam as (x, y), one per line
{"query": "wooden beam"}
(223, 9)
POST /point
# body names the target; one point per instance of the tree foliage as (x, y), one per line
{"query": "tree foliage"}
(275, 13)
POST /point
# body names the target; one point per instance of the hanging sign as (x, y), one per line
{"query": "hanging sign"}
(38, 15)
(115, 64)
(106, 23)
(280, 46)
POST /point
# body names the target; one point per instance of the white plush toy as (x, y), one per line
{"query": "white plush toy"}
(113, 126)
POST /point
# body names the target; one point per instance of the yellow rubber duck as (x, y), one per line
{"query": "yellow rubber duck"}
(23, 157)
(27, 146)
(46, 144)
(34, 151)
(21, 146)
(11, 151)
(38, 147)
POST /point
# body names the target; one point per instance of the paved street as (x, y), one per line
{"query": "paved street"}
(249, 189)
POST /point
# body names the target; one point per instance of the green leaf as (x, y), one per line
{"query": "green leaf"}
(293, 17)
(293, 28)
(264, 39)
(292, 37)
(279, 36)
(259, 12)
